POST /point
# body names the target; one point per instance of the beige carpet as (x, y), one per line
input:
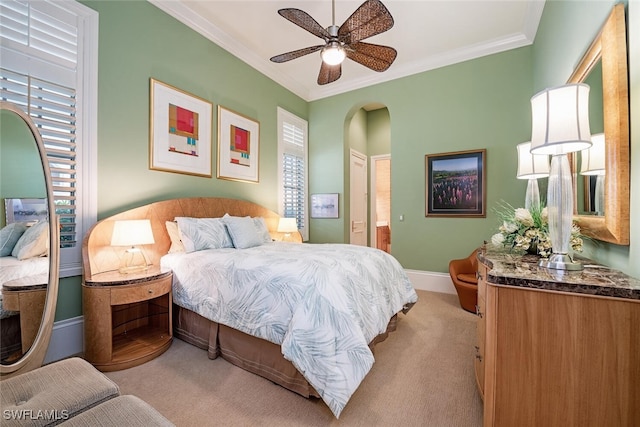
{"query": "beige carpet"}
(423, 376)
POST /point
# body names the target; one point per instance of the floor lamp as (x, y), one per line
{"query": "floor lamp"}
(560, 125)
(531, 167)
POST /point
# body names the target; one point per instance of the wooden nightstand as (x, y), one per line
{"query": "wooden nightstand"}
(127, 317)
(27, 296)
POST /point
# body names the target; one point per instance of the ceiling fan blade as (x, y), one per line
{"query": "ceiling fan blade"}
(304, 21)
(296, 54)
(329, 73)
(371, 18)
(373, 56)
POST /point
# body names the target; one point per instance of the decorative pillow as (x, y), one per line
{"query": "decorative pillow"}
(34, 242)
(174, 235)
(203, 233)
(9, 236)
(261, 227)
(243, 231)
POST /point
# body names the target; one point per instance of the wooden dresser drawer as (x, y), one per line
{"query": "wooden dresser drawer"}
(135, 293)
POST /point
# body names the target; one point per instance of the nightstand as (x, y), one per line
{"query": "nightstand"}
(27, 296)
(127, 317)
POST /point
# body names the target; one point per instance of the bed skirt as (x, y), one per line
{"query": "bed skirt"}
(253, 354)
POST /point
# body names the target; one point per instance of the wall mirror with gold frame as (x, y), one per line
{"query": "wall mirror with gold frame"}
(608, 55)
(29, 291)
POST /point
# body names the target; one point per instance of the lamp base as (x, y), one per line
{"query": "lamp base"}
(560, 262)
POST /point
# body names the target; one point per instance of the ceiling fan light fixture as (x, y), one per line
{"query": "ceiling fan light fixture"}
(333, 53)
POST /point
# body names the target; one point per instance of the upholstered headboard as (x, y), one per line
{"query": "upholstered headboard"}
(99, 256)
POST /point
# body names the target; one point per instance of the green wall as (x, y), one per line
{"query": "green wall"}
(482, 103)
(138, 41)
(23, 178)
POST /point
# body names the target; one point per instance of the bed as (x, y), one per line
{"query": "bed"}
(263, 314)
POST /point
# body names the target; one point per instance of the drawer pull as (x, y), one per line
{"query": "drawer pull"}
(478, 312)
(150, 291)
(479, 357)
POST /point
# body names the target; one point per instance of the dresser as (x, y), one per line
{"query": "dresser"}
(556, 348)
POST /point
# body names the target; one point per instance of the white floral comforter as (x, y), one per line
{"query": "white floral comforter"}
(322, 303)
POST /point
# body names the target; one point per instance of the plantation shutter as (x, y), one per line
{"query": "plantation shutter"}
(39, 73)
(293, 173)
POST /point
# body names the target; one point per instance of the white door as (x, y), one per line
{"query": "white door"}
(358, 202)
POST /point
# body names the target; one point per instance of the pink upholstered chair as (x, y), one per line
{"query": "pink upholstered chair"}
(463, 275)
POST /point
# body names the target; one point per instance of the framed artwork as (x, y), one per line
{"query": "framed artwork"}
(324, 205)
(26, 210)
(238, 146)
(179, 131)
(455, 184)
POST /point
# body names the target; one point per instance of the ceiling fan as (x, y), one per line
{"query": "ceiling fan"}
(371, 18)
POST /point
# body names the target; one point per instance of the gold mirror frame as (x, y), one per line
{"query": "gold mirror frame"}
(610, 46)
(34, 357)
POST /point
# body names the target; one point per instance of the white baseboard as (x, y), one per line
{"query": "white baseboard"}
(431, 281)
(67, 339)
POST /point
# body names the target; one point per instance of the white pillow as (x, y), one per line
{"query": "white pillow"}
(203, 233)
(34, 242)
(9, 236)
(243, 231)
(261, 226)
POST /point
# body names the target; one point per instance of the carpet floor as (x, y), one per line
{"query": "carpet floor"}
(423, 376)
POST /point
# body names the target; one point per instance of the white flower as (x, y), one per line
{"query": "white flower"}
(509, 227)
(497, 239)
(544, 215)
(524, 217)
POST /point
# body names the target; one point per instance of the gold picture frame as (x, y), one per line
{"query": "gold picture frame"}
(180, 133)
(238, 147)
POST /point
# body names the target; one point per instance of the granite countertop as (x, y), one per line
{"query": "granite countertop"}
(522, 270)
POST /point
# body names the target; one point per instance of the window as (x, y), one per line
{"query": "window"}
(292, 169)
(49, 69)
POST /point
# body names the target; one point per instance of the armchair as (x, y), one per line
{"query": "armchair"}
(463, 274)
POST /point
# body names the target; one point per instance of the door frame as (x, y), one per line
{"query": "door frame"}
(373, 197)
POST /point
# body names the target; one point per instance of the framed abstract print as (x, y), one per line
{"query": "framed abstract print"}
(179, 131)
(238, 146)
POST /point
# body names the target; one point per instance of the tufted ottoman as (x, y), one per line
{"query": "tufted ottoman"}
(55, 393)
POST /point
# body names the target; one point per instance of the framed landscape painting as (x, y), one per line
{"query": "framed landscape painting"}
(455, 184)
(179, 131)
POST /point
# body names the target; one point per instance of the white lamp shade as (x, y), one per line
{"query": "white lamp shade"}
(287, 225)
(531, 166)
(132, 233)
(592, 159)
(333, 54)
(560, 120)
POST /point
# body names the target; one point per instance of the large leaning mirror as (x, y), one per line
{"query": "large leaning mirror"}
(29, 244)
(607, 57)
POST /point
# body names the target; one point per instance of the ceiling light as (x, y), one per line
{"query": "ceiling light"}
(333, 53)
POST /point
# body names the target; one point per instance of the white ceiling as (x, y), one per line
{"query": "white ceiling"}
(427, 34)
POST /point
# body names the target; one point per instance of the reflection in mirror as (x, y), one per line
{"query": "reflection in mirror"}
(23, 192)
(29, 244)
(605, 62)
(587, 177)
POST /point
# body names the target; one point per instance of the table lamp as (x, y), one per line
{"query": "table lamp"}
(133, 233)
(531, 167)
(592, 163)
(287, 226)
(560, 125)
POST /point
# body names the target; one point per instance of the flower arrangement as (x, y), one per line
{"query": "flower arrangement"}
(528, 230)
